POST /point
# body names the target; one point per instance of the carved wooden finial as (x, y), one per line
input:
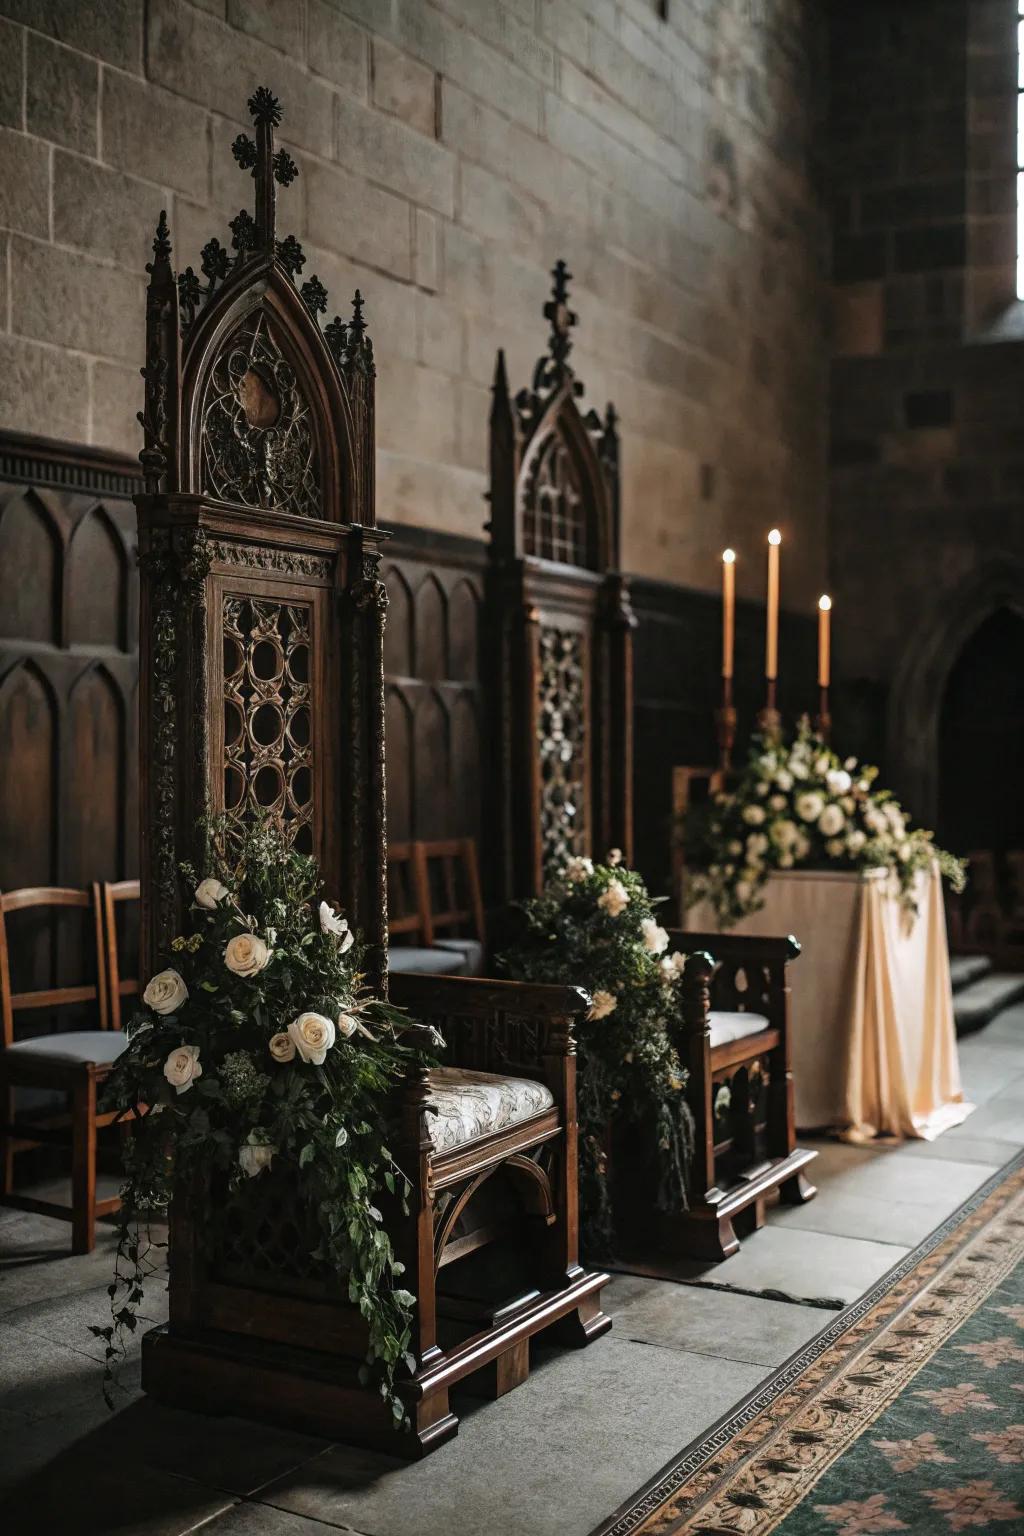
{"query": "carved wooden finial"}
(559, 315)
(499, 389)
(267, 166)
(161, 244)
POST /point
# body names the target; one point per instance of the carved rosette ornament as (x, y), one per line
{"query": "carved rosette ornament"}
(261, 602)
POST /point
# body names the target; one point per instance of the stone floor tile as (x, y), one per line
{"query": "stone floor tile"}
(969, 1149)
(66, 1319)
(561, 1452)
(233, 1454)
(803, 1265)
(708, 1322)
(249, 1519)
(75, 1494)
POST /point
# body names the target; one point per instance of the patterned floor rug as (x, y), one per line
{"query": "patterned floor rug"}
(905, 1414)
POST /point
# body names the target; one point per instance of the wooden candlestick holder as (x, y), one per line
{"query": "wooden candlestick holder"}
(725, 723)
(769, 721)
(823, 720)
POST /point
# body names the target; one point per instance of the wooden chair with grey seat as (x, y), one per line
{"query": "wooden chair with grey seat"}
(120, 893)
(73, 1062)
(411, 946)
(449, 879)
(733, 1035)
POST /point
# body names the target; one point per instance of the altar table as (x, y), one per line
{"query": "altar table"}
(873, 1038)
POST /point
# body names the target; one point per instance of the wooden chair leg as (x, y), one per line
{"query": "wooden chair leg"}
(83, 1166)
(797, 1190)
(7, 1141)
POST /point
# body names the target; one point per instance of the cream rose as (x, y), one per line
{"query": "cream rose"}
(209, 893)
(246, 954)
(673, 965)
(254, 1156)
(347, 1025)
(753, 815)
(809, 805)
(282, 1047)
(182, 1067)
(578, 869)
(614, 857)
(614, 899)
(602, 1004)
(166, 992)
(784, 779)
(855, 840)
(838, 781)
(831, 821)
(778, 802)
(757, 844)
(655, 937)
(313, 1036)
(835, 847)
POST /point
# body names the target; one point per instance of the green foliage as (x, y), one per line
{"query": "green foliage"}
(224, 1107)
(798, 806)
(594, 927)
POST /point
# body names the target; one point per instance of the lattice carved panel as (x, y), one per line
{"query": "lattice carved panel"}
(268, 1236)
(562, 744)
(259, 443)
(268, 747)
(554, 515)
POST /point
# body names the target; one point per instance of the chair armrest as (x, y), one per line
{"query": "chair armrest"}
(754, 948)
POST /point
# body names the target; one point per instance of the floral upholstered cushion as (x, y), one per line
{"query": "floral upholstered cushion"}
(471, 1104)
(726, 1027)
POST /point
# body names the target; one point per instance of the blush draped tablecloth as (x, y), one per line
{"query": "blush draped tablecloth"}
(871, 1009)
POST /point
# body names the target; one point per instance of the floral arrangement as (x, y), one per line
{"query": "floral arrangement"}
(594, 926)
(258, 1056)
(800, 806)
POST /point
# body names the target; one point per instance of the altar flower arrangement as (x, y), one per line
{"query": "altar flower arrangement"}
(258, 1054)
(595, 926)
(799, 806)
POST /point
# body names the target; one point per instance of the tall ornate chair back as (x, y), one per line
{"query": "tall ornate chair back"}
(261, 611)
(562, 640)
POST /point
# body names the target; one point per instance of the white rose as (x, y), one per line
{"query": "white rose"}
(614, 857)
(798, 769)
(282, 1047)
(784, 779)
(831, 821)
(166, 992)
(855, 840)
(337, 927)
(875, 820)
(346, 1025)
(735, 848)
(753, 815)
(838, 781)
(822, 766)
(905, 852)
(614, 899)
(254, 1156)
(182, 1067)
(744, 891)
(655, 938)
(778, 802)
(762, 788)
(673, 965)
(783, 833)
(313, 1036)
(835, 847)
(577, 870)
(602, 1005)
(809, 805)
(209, 892)
(246, 954)
(757, 843)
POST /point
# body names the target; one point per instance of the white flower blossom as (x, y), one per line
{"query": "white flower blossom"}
(855, 839)
(784, 779)
(313, 1036)
(209, 893)
(778, 802)
(673, 965)
(835, 847)
(757, 844)
(182, 1067)
(602, 1004)
(831, 821)
(246, 954)
(753, 815)
(614, 857)
(281, 1047)
(255, 1155)
(809, 805)
(838, 781)
(614, 899)
(578, 869)
(655, 937)
(166, 992)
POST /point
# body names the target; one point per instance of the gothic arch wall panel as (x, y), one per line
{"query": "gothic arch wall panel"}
(68, 665)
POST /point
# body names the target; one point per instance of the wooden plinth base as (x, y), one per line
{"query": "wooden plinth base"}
(319, 1393)
(706, 1231)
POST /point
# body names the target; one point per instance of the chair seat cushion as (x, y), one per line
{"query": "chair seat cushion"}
(472, 952)
(101, 1046)
(727, 1027)
(472, 1104)
(426, 962)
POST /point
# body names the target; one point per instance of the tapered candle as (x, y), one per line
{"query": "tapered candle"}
(771, 648)
(728, 609)
(824, 641)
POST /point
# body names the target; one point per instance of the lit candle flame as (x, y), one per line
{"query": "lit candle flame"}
(775, 537)
(825, 603)
(729, 556)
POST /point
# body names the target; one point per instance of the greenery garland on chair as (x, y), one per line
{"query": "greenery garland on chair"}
(594, 926)
(258, 1054)
(797, 805)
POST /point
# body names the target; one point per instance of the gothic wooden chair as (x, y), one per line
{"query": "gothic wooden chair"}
(261, 659)
(561, 637)
(71, 1062)
(733, 1036)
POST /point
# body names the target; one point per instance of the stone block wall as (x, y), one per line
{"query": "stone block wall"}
(449, 151)
(927, 393)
